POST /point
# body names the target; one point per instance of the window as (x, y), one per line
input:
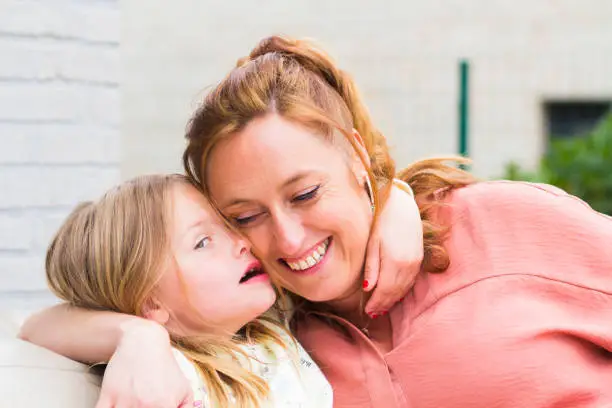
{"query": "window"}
(574, 118)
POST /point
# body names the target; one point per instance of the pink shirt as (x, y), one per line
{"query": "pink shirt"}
(522, 318)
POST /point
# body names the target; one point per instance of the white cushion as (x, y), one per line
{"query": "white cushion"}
(33, 376)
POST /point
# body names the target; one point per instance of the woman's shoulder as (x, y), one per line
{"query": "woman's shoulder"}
(505, 194)
(533, 207)
(503, 228)
(495, 208)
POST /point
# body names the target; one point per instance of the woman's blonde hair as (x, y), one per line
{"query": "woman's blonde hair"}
(110, 255)
(301, 83)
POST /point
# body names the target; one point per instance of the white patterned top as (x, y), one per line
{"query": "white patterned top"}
(292, 385)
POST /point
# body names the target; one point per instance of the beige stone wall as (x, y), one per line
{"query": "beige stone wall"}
(84, 102)
(403, 54)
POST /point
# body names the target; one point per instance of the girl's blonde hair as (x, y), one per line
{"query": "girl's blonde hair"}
(301, 83)
(110, 254)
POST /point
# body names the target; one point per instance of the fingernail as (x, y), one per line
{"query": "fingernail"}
(402, 299)
(372, 315)
(386, 312)
(366, 283)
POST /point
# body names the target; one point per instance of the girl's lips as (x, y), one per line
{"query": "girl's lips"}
(252, 272)
(262, 277)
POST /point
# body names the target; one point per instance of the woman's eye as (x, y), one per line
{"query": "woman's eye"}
(308, 195)
(203, 243)
(243, 221)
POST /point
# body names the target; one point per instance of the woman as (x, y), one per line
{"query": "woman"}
(512, 307)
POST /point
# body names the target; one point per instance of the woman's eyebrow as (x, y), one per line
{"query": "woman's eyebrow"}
(293, 179)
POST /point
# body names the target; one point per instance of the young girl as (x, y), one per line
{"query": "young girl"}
(153, 247)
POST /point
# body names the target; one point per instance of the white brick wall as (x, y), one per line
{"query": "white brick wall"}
(59, 127)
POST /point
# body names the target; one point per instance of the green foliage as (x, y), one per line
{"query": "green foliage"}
(582, 166)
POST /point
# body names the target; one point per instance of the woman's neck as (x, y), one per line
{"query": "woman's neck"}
(351, 306)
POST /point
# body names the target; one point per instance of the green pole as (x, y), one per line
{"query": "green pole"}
(464, 78)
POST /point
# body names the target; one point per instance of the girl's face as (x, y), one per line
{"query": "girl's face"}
(214, 282)
(300, 200)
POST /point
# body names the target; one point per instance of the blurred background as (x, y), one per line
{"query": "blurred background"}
(95, 91)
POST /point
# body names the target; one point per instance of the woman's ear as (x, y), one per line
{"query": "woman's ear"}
(361, 157)
(361, 147)
(154, 310)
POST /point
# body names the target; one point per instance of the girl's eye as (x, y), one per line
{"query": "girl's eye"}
(203, 243)
(308, 195)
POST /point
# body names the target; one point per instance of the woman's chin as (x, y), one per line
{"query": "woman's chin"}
(321, 294)
(328, 289)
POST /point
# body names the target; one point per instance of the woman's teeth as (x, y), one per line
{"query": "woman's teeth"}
(311, 259)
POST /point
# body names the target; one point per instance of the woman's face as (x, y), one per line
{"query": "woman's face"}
(214, 282)
(300, 200)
